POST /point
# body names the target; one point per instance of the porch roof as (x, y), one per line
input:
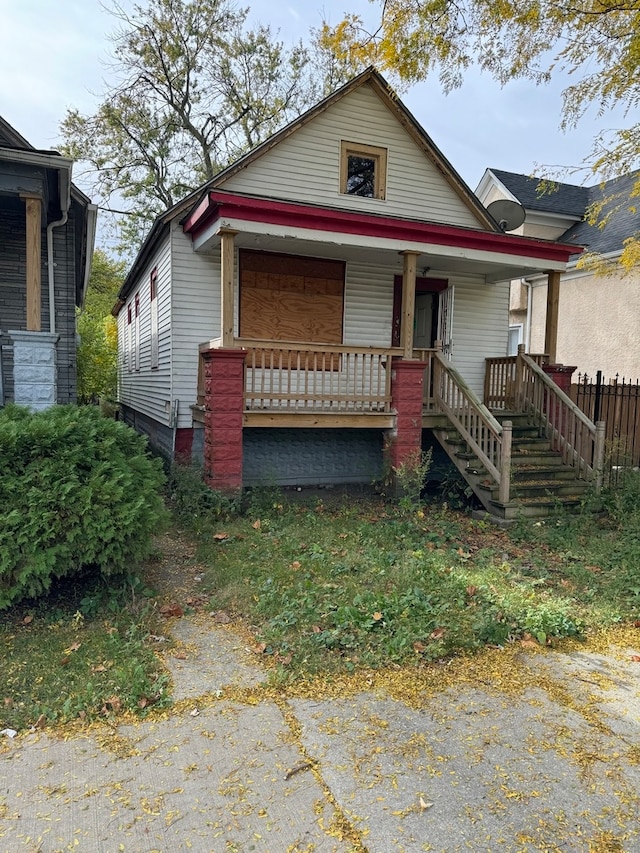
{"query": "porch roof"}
(496, 255)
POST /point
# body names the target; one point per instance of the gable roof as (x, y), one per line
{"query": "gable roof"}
(393, 103)
(388, 96)
(560, 198)
(621, 217)
(10, 138)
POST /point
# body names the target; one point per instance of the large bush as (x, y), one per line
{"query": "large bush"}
(76, 490)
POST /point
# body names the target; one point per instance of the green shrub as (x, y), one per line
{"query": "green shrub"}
(194, 503)
(76, 490)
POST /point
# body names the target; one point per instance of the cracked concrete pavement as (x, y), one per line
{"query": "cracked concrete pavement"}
(467, 768)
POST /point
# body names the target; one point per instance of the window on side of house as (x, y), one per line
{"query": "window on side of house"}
(515, 338)
(136, 332)
(153, 310)
(363, 170)
(129, 339)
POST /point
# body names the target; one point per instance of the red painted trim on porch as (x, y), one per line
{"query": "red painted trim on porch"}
(219, 205)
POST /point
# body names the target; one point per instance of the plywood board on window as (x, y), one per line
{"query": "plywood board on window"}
(289, 298)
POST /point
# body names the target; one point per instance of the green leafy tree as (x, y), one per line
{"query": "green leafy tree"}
(195, 88)
(596, 42)
(97, 352)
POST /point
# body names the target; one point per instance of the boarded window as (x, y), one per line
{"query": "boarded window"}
(289, 298)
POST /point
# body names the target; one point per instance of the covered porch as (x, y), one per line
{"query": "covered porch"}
(414, 376)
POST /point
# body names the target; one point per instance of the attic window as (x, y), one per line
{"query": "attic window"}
(363, 170)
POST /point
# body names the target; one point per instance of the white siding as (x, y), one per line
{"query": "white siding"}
(195, 315)
(480, 326)
(147, 390)
(480, 316)
(368, 305)
(306, 166)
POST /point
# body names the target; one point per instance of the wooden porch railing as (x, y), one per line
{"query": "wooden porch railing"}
(489, 440)
(500, 380)
(428, 356)
(289, 376)
(569, 430)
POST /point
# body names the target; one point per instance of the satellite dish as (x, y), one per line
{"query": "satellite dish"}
(508, 214)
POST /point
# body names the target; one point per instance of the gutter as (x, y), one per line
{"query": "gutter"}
(92, 219)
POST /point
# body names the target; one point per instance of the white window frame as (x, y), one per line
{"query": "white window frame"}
(517, 329)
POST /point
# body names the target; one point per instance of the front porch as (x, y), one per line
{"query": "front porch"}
(505, 446)
(286, 385)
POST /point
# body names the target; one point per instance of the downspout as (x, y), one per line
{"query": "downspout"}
(65, 202)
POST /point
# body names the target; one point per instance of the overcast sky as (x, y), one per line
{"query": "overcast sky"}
(52, 56)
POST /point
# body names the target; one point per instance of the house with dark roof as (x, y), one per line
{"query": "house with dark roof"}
(598, 315)
(47, 229)
(325, 307)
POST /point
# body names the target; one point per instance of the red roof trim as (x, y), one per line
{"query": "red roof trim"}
(219, 205)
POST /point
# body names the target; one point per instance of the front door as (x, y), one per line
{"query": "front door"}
(427, 310)
(424, 328)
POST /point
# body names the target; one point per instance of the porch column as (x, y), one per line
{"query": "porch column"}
(408, 302)
(224, 405)
(33, 206)
(404, 443)
(551, 329)
(227, 281)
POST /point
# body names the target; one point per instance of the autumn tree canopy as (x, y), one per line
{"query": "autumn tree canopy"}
(98, 347)
(194, 87)
(596, 42)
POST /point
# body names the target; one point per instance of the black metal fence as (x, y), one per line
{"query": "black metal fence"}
(616, 402)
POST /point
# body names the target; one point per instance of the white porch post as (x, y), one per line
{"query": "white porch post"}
(408, 302)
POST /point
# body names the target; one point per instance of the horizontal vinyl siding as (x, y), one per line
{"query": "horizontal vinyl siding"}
(306, 166)
(368, 302)
(148, 390)
(480, 326)
(196, 316)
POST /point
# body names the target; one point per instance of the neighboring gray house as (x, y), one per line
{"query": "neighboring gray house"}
(47, 230)
(598, 316)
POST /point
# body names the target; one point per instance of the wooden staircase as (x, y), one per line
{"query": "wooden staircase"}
(540, 483)
(533, 453)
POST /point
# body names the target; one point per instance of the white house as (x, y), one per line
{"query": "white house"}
(279, 322)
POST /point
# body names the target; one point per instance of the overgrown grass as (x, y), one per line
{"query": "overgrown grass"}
(328, 585)
(81, 653)
(336, 585)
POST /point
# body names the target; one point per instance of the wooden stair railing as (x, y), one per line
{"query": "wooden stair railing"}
(489, 440)
(569, 430)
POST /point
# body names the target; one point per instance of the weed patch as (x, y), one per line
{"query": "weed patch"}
(334, 586)
(81, 653)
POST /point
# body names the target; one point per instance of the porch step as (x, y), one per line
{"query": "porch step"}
(539, 507)
(540, 483)
(555, 472)
(539, 488)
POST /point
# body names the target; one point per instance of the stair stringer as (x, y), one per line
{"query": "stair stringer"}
(469, 467)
